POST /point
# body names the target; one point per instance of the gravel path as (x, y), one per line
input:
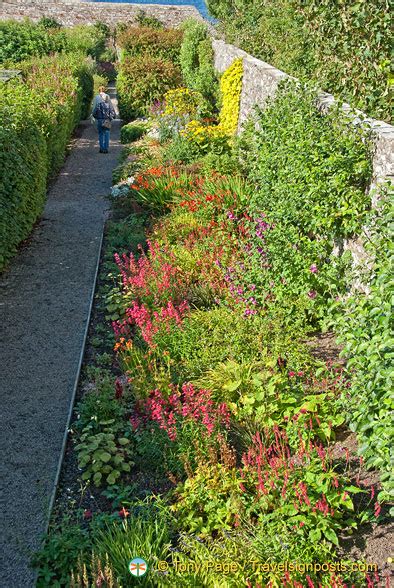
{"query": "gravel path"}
(44, 309)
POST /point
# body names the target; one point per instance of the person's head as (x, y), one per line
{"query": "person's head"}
(102, 90)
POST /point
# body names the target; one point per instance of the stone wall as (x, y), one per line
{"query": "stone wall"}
(71, 12)
(260, 82)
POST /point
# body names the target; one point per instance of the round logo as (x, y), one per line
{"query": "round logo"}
(138, 567)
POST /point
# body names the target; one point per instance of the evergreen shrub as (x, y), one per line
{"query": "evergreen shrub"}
(196, 59)
(38, 115)
(160, 43)
(132, 132)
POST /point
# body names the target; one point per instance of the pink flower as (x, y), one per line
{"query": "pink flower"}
(313, 269)
(188, 403)
(312, 294)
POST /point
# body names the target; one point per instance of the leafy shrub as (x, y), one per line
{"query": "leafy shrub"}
(38, 117)
(132, 132)
(108, 55)
(160, 43)
(364, 324)
(49, 23)
(141, 81)
(146, 20)
(222, 163)
(311, 171)
(325, 42)
(21, 40)
(88, 39)
(196, 60)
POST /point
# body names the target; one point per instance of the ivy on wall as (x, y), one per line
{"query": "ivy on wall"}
(344, 46)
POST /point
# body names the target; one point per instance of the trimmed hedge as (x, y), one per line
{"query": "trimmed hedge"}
(23, 163)
(38, 115)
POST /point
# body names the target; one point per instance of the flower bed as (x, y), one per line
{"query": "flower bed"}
(208, 434)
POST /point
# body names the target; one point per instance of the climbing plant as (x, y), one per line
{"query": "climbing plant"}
(344, 46)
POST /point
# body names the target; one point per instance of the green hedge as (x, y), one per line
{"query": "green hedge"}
(163, 43)
(344, 46)
(23, 161)
(22, 40)
(38, 115)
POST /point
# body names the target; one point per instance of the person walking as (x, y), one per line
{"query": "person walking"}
(103, 114)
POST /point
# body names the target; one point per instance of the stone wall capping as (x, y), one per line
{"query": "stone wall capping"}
(263, 65)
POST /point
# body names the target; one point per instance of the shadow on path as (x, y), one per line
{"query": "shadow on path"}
(44, 308)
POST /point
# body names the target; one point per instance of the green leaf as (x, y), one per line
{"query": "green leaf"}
(331, 535)
(124, 441)
(105, 456)
(315, 535)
